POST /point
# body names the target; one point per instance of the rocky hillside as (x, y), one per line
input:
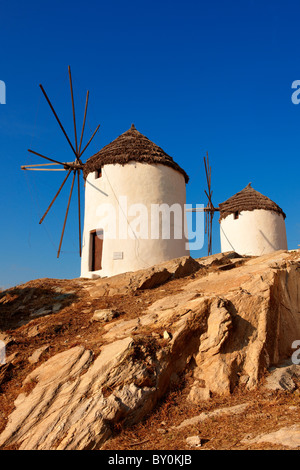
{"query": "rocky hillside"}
(187, 354)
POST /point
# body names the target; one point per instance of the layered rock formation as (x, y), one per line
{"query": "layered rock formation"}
(227, 325)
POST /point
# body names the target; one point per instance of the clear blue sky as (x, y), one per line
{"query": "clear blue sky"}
(193, 76)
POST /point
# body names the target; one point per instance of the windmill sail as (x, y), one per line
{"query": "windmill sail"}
(210, 209)
(75, 166)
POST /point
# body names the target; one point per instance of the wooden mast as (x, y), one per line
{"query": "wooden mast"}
(210, 209)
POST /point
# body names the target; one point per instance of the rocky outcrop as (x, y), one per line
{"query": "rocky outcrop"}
(226, 326)
(145, 278)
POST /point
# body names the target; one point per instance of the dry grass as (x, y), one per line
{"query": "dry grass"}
(266, 413)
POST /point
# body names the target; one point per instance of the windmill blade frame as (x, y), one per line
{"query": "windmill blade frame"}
(66, 216)
(76, 166)
(73, 108)
(58, 120)
(56, 195)
(84, 119)
(210, 209)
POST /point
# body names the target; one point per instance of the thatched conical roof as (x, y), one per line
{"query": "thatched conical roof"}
(248, 200)
(131, 146)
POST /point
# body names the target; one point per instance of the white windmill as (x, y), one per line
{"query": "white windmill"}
(133, 167)
(250, 223)
(131, 176)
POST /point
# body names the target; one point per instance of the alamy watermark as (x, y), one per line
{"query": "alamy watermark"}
(296, 354)
(2, 353)
(2, 92)
(296, 100)
(157, 221)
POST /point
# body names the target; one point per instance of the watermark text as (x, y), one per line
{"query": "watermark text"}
(296, 354)
(2, 353)
(2, 92)
(156, 221)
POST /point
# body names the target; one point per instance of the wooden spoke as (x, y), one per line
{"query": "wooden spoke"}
(73, 108)
(210, 209)
(57, 118)
(208, 197)
(55, 196)
(66, 216)
(89, 140)
(42, 169)
(84, 118)
(79, 213)
(47, 158)
(37, 165)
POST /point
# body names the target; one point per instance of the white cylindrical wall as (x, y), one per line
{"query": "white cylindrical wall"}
(132, 183)
(253, 233)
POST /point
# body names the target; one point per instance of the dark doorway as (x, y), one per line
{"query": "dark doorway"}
(97, 249)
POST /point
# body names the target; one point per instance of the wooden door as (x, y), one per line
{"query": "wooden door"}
(97, 249)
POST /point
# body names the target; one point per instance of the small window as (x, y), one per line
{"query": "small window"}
(98, 173)
(236, 215)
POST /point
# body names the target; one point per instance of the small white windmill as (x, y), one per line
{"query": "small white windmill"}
(250, 223)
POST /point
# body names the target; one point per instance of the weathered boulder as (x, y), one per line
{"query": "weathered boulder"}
(198, 393)
(219, 259)
(283, 378)
(146, 278)
(153, 277)
(288, 436)
(193, 441)
(105, 314)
